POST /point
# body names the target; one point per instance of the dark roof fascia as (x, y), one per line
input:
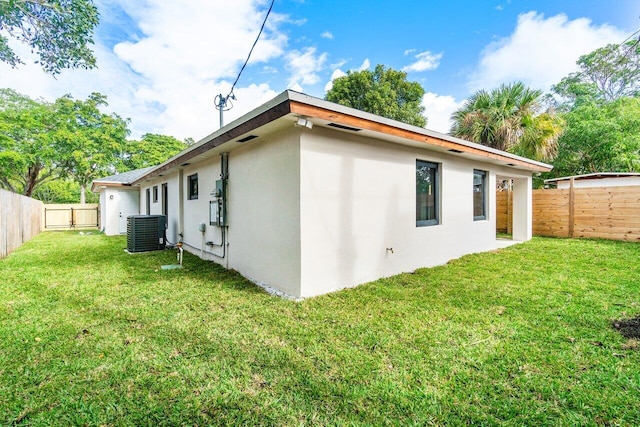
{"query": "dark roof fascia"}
(291, 102)
(218, 138)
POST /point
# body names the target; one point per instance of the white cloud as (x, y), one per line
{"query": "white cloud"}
(409, 51)
(166, 75)
(304, 67)
(365, 65)
(438, 109)
(337, 73)
(540, 51)
(425, 61)
(327, 35)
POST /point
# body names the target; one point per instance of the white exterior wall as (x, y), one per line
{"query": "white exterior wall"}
(313, 211)
(601, 182)
(263, 208)
(358, 198)
(110, 209)
(173, 214)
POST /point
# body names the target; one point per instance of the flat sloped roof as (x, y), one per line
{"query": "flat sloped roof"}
(291, 105)
(121, 179)
(597, 175)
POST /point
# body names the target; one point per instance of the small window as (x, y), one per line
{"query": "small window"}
(155, 194)
(427, 193)
(193, 186)
(479, 195)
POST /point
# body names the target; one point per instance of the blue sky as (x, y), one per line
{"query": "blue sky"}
(162, 63)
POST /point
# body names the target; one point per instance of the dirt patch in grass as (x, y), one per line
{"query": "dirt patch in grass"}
(629, 328)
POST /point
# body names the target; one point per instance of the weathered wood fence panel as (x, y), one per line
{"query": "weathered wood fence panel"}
(20, 220)
(605, 212)
(71, 216)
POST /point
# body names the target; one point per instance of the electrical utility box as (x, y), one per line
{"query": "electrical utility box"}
(146, 233)
(218, 207)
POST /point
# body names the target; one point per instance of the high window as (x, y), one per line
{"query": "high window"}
(479, 195)
(193, 186)
(155, 194)
(427, 193)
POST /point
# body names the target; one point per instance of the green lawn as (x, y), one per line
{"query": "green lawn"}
(90, 335)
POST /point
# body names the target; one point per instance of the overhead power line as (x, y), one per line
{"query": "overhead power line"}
(223, 103)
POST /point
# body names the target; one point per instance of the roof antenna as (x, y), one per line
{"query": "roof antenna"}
(223, 103)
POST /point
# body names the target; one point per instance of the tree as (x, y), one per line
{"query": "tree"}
(27, 150)
(606, 74)
(60, 31)
(509, 118)
(40, 141)
(89, 142)
(600, 138)
(383, 91)
(151, 150)
(61, 191)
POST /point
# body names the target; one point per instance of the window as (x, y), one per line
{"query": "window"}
(148, 201)
(427, 193)
(193, 186)
(165, 196)
(479, 195)
(155, 194)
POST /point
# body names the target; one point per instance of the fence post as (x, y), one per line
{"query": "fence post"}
(572, 208)
(510, 207)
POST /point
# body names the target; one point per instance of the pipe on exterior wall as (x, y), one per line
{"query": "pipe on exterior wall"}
(180, 205)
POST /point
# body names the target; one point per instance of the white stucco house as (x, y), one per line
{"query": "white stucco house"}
(118, 200)
(600, 179)
(306, 197)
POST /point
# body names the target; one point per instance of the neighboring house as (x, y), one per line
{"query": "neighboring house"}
(305, 197)
(118, 200)
(602, 179)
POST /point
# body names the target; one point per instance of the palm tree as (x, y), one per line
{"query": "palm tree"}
(509, 118)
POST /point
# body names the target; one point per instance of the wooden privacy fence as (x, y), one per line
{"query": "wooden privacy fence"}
(504, 208)
(20, 220)
(605, 212)
(71, 216)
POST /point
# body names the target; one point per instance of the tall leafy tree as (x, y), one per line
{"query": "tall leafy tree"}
(59, 31)
(600, 138)
(151, 150)
(89, 142)
(601, 106)
(28, 151)
(509, 118)
(606, 74)
(42, 141)
(383, 91)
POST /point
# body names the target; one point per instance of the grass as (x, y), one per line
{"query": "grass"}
(92, 336)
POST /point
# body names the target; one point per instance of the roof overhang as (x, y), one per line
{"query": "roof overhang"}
(285, 109)
(97, 185)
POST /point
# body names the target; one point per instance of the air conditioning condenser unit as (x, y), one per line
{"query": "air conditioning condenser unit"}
(146, 232)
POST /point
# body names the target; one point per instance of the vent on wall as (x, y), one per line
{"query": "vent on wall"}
(336, 125)
(455, 151)
(248, 138)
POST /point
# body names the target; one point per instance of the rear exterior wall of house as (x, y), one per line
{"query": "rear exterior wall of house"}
(314, 211)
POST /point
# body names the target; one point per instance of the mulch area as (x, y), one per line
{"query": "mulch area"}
(629, 328)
